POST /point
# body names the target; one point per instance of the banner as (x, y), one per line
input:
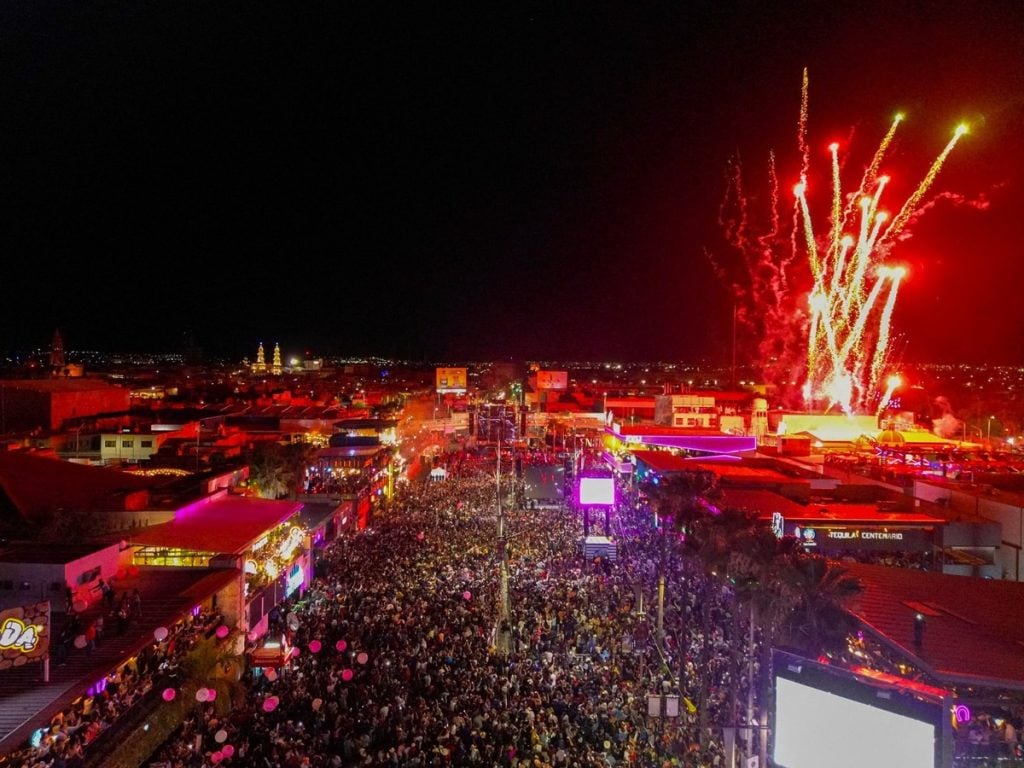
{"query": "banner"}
(451, 380)
(552, 380)
(24, 634)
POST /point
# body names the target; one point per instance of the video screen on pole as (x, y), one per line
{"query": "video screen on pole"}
(597, 491)
(544, 482)
(816, 728)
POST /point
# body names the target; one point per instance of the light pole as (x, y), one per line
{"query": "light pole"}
(989, 439)
(502, 639)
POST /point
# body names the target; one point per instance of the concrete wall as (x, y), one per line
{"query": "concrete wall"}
(81, 574)
(1010, 518)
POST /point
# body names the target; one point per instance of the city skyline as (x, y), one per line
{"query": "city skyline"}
(529, 184)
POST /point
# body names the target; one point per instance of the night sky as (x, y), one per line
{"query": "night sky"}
(449, 181)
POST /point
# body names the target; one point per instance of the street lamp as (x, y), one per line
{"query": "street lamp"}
(990, 429)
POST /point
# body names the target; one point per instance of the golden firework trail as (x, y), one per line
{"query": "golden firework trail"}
(850, 322)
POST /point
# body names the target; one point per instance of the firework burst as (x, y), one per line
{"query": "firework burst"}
(842, 330)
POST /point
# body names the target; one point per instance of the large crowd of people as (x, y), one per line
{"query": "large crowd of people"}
(403, 655)
(73, 731)
(404, 659)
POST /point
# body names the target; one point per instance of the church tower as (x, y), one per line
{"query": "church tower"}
(276, 365)
(260, 366)
(57, 362)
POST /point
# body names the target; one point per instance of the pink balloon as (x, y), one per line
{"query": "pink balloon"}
(227, 750)
(211, 694)
(314, 646)
(295, 652)
(341, 645)
(169, 694)
(222, 631)
(467, 595)
(271, 674)
(419, 536)
(362, 657)
(346, 674)
(270, 704)
(216, 757)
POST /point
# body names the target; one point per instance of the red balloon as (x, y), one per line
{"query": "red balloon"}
(227, 750)
(314, 646)
(169, 694)
(341, 645)
(346, 674)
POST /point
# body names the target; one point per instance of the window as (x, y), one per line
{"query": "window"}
(127, 443)
(147, 443)
(110, 443)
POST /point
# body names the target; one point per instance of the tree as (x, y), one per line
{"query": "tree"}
(711, 541)
(275, 470)
(820, 589)
(757, 568)
(679, 499)
(210, 664)
(217, 665)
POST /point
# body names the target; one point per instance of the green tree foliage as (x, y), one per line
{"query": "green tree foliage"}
(276, 470)
(819, 590)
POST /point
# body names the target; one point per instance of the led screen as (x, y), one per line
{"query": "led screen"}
(814, 728)
(597, 491)
(544, 482)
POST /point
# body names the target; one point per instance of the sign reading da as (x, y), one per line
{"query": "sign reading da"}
(24, 634)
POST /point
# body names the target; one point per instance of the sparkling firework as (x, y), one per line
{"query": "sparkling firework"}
(850, 321)
(835, 339)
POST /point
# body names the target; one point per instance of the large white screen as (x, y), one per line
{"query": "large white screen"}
(815, 729)
(597, 491)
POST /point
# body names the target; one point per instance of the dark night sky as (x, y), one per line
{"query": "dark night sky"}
(446, 181)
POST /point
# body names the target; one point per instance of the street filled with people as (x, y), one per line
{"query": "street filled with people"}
(401, 656)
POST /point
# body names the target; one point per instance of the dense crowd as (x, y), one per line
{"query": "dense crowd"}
(72, 731)
(418, 595)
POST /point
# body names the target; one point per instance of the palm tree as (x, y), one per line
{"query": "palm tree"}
(214, 664)
(757, 568)
(712, 541)
(679, 499)
(270, 471)
(820, 590)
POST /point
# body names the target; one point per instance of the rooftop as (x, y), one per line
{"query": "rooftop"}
(35, 484)
(222, 523)
(970, 637)
(57, 385)
(766, 502)
(57, 554)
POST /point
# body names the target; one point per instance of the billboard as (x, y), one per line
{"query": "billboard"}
(451, 380)
(822, 718)
(597, 491)
(552, 380)
(24, 634)
(544, 482)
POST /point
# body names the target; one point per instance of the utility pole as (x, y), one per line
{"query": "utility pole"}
(661, 586)
(502, 635)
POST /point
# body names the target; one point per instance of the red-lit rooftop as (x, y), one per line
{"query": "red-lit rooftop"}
(764, 503)
(971, 635)
(225, 524)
